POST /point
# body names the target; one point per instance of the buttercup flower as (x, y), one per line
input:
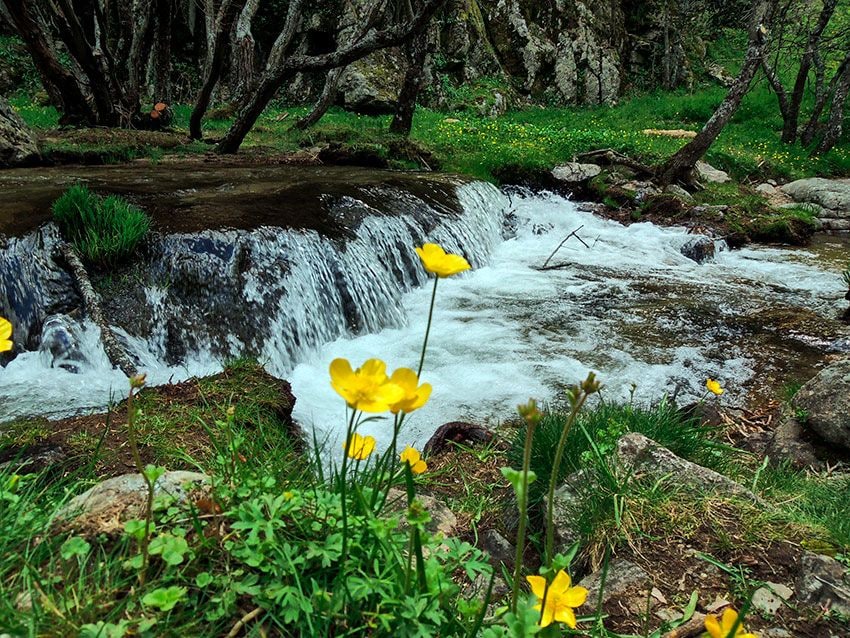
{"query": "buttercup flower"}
(368, 388)
(722, 628)
(414, 460)
(713, 386)
(5, 335)
(359, 447)
(415, 395)
(561, 599)
(442, 264)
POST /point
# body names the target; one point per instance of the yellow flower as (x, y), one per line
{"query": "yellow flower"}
(368, 388)
(722, 628)
(437, 261)
(560, 599)
(5, 334)
(415, 395)
(359, 447)
(714, 386)
(412, 458)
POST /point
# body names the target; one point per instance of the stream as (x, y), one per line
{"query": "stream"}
(622, 301)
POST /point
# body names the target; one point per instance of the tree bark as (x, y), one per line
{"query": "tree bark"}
(416, 52)
(162, 51)
(835, 122)
(813, 127)
(325, 101)
(223, 24)
(682, 163)
(280, 68)
(242, 70)
(64, 88)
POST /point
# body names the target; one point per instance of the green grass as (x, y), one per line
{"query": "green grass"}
(105, 231)
(594, 436)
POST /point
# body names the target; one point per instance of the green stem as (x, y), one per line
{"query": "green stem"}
(523, 511)
(137, 459)
(428, 328)
(344, 486)
(553, 479)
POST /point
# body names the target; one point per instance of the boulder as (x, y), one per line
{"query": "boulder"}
(575, 172)
(789, 444)
(823, 582)
(499, 548)
(623, 579)
(678, 191)
(443, 520)
(108, 505)
(829, 200)
(699, 249)
(644, 457)
(770, 598)
(707, 173)
(825, 399)
(17, 142)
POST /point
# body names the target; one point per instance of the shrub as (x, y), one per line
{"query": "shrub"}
(104, 230)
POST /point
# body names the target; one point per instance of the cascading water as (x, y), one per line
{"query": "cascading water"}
(628, 305)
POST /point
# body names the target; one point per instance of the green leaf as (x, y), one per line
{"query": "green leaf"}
(102, 629)
(172, 548)
(136, 529)
(74, 546)
(515, 479)
(203, 579)
(153, 472)
(164, 598)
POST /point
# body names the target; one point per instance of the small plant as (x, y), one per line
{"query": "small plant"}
(104, 230)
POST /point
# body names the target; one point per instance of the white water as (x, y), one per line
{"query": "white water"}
(630, 307)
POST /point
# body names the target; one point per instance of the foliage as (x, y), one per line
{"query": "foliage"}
(104, 230)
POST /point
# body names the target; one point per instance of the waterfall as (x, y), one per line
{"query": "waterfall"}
(197, 299)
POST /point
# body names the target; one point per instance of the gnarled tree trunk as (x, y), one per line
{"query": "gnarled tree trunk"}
(242, 69)
(416, 52)
(835, 122)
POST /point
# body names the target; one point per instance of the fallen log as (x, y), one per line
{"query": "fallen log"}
(91, 300)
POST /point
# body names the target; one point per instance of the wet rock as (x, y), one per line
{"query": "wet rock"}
(575, 172)
(500, 549)
(34, 285)
(61, 343)
(108, 505)
(370, 86)
(716, 213)
(643, 456)
(17, 143)
(699, 249)
(826, 402)
(623, 579)
(707, 173)
(456, 432)
(770, 598)
(823, 582)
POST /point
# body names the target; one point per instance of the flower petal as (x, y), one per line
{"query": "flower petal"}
(575, 596)
(561, 583)
(566, 616)
(730, 617)
(548, 616)
(419, 467)
(538, 585)
(5, 329)
(712, 626)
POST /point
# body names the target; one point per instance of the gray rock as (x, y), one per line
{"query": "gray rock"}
(699, 249)
(770, 598)
(623, 578)
(108, 505)
(564, 508)
(500, 549)
(789, 445)
(707, 173)
(643, 456)
(826, 401)
(765, 189)
(678, 191)
(831, 194)
(823, 582)
(443, 520)
(17, 142)
(575, 173)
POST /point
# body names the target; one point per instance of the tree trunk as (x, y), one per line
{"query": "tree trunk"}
(813, 127)
(223, 24)
(243, 71)
(162, 51)
(416, 52)
(65, 89)
(792, 116)
(325, 101)
(835, 122)
(682, 163)
(281, 68)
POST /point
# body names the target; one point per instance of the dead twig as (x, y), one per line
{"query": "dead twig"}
(694, 626)
(244, 621)
(564, 241)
